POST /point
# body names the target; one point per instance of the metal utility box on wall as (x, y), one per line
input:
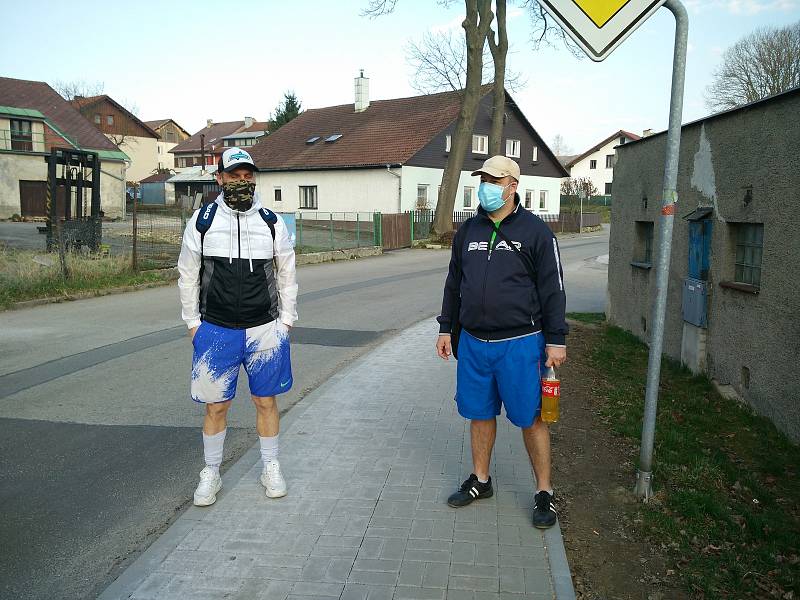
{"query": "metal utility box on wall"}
(695, 296)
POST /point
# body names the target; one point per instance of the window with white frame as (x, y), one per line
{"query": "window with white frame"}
(308, 197)
(512, 148)
(480, 143)
(535, 155)
(469, 193)
(422, 195)
(528, 198)
(448, 139)
(543, 199)
(609, 161)
(110, 119)
(592, 164)
(278, 193)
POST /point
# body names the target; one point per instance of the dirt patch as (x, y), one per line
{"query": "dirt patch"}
(594, 475)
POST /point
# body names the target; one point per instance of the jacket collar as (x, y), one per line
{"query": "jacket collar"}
(510, 217)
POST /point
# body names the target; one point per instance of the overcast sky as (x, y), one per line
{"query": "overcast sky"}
(195, 60)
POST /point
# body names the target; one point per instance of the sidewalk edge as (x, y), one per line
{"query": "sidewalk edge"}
(559, 566)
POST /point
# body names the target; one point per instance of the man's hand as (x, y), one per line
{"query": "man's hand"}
(192, 331)
(443, 348)
(556, 356)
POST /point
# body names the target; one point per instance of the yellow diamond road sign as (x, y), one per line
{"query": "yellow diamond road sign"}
(599, 26)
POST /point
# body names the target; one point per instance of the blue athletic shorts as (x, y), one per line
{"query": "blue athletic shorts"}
(219, 352)
(507, 372)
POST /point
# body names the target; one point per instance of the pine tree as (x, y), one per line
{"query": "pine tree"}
(287, 110)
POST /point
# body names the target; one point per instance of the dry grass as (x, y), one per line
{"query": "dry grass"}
(23, 276)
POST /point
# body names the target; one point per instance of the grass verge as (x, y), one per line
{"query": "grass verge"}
(727, 502)
(22, 278)
(583, 317)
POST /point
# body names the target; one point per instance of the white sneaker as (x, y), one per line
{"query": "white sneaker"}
(272, 480)
(210, 484)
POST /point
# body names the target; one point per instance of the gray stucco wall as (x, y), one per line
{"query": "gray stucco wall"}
(721, 159)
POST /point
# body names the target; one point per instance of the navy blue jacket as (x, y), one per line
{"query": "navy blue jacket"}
(498, 298)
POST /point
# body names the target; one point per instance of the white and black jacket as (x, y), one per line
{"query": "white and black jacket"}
(498, 298)
(233, 282)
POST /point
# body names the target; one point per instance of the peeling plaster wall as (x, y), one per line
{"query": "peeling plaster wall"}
(756, 149)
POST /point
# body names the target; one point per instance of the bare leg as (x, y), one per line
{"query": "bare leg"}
(537, 443)
(267, 417)
(216, 418)
(482, 434)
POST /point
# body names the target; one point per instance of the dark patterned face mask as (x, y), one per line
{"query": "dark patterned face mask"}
(239, 194)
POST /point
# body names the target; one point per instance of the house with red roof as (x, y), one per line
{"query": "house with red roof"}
(34, 119)
(389, 156)
(206, 146)
(597, 163)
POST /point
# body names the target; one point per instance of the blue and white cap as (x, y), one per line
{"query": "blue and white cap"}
(234, 158)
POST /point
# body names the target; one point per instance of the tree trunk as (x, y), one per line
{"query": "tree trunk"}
(476, 26)
(499, 49)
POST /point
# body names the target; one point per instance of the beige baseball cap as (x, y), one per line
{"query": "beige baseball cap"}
(499, 166)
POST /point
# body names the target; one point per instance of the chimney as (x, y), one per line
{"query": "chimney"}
(209, 122)
(248, 122)
(647, 133)
(362, 92)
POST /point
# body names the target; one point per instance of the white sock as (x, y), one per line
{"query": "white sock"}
(213, 446)
(269, 449)
(482, 480)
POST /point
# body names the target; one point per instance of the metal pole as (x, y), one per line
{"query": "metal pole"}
(644, 475)
(134, 256)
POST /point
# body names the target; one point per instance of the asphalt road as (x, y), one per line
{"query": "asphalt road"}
(101, 445)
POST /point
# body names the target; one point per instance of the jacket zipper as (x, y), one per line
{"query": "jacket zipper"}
(486, 276)
(239, 270)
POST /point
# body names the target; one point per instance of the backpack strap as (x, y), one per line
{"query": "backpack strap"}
(203, 223)
(270, 218)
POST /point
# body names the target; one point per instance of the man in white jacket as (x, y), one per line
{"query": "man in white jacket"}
(238, 294)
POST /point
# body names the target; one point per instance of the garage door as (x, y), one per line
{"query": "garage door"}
(33, 198)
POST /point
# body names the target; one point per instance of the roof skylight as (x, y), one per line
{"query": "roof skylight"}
(311, 140)
(333, 138)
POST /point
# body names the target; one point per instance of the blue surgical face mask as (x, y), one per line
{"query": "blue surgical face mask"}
(490, 196)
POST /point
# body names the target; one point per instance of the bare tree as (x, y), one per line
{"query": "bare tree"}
(476, 26)
(546, 32)
(574, 188)
(559, 146)
(764, 63)
(439, 62)
(69, 90)
(498, 45)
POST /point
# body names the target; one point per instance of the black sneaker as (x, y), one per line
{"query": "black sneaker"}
(544, 511)
(471, 489)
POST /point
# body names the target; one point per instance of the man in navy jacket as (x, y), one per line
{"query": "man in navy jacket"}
(513, 328)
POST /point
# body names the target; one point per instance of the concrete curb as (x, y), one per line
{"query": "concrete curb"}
(559, 567)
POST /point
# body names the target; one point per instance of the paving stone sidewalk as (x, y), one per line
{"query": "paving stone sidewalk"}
(370, 458)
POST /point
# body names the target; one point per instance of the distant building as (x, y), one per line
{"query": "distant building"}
(597, 163)
(124, 129)
(210, 142)
(170, 134)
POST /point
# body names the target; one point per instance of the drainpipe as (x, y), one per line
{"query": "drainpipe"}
(399, 187)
